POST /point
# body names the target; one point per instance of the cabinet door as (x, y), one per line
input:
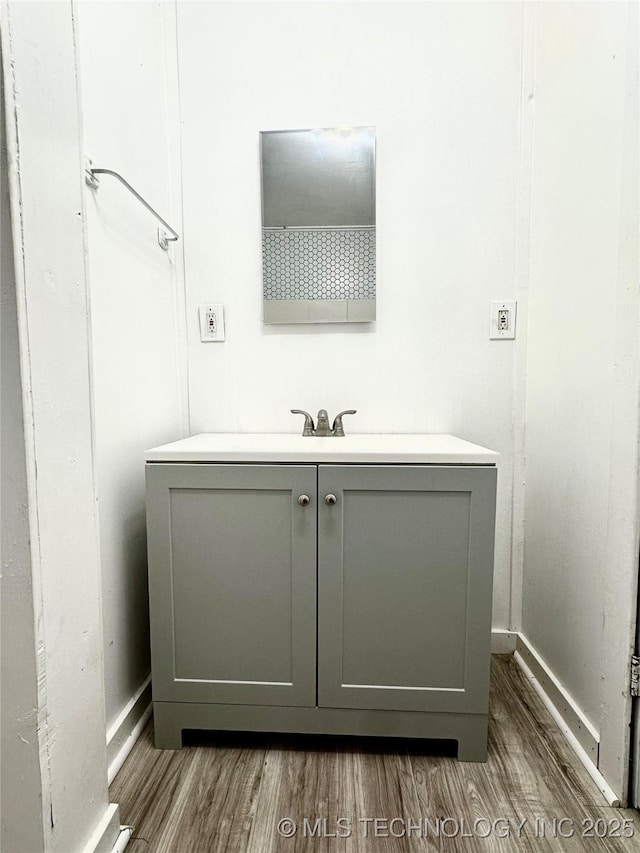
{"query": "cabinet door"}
(404, 587)
(232, 583)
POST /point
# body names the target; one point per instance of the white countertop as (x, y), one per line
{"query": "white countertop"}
(285, 447)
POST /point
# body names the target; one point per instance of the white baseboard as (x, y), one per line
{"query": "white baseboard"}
(123, 839)
(128, 727)
(571, 720)
(572, 716)
(503, 642)
(106, 833)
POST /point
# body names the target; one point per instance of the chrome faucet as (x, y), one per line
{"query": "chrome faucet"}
(323, 429)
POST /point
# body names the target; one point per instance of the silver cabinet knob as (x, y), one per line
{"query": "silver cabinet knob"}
(304, 500)
(330, 500)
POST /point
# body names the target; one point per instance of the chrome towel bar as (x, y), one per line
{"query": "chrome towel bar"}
(90, 177)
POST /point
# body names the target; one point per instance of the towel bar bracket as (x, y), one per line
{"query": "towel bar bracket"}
(92, 180)
(163, 239)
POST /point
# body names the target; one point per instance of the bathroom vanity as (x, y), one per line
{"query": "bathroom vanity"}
(322, 585)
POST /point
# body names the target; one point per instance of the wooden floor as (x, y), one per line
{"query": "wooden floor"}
(225, 792)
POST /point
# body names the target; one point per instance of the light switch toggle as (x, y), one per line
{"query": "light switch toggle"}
(211, 322)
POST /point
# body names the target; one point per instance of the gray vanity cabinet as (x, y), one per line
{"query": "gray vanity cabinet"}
(232, 583)
(405, 561)
(401, 557)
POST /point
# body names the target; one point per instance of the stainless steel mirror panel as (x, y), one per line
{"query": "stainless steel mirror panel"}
(323, 177)
(318, 225)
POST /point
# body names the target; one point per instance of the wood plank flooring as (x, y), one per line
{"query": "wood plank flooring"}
(229, 792)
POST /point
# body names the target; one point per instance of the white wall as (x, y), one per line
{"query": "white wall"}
(130, 117)
(45, 179)
(442, 84)
(581, 557)
(21, 806)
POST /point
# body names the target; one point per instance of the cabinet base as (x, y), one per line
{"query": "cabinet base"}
(470, 730)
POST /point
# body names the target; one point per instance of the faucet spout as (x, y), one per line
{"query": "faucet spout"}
(322, 424)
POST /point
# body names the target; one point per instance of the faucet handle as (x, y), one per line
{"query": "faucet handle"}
(309, 428)
(337, 428)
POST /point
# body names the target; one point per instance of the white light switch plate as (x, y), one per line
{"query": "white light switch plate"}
(211, 322)
(503, 320)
